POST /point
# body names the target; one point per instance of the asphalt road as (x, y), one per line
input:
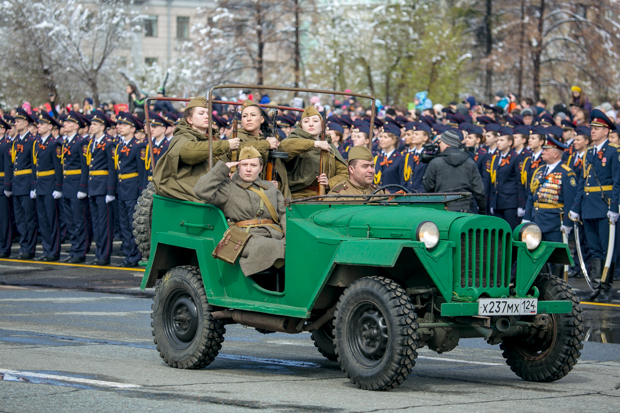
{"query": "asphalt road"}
(75, 351)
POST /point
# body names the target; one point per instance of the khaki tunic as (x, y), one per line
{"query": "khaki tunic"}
(348, 188)
(303, 161)
(238, 203)
(186, 160)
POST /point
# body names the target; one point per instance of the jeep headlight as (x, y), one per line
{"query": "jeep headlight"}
(531, 235)
(428, 233)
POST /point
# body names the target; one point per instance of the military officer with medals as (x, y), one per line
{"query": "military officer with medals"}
(6, 200)
(596, 203)
(75, 188)
(47, 161)
(416, 135)
(21, 178)
(130, 163)
(101, 186)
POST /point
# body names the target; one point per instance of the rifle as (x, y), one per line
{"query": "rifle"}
(234, 154)
(271, 174)
(321, 162)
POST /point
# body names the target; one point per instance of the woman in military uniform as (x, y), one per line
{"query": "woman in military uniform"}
(304, 155)
(254, 129)
(416, 135)
(389, 165)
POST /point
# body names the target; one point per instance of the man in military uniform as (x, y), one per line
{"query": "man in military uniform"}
(48, 187)
(130, 163)
(22, 178)
(6, 202)
(596, 203)
(101, 186)
(361, 167)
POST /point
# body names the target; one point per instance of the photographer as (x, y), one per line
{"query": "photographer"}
(453, 170)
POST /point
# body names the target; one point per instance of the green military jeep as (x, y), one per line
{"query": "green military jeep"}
(372, 278)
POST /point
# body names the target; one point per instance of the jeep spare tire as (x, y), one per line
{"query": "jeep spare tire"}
(142, 219)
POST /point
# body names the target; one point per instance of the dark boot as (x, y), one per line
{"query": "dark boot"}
(605, 286)
(595, 272)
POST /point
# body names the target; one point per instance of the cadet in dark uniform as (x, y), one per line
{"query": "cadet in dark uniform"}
(101, 186)
(532, 162)
(336, 132)
(75, 188)
(6, 201)
(171, 118)
(596, 203)
(22, 179)
(47, 157)
(130, 162)
(390, 164)
(159, 126)
(416, 135)
(504, 180)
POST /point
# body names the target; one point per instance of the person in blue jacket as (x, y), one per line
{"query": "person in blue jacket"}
(130, 163)
(389, 164)
(47, 157)
(596, 202)
(416, 135)
(504, 176)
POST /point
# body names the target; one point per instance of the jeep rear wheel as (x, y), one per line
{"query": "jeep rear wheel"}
(323, 338)
(551, 353)
(185, 333)
(142, 221)
(375, 333)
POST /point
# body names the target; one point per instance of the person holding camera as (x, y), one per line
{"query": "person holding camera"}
(453, 170)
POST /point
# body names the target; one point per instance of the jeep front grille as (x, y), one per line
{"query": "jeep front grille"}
(485, 258)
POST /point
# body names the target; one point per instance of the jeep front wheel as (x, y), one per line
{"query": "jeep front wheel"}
(375, 333)
(185, 333)
(551, 353)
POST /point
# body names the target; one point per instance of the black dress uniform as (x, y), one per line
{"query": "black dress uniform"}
(503, 182)
(22, 179)
(532, 162)
(389, 169)
(597, 202)
(6, 202)
(130, 162)
(159, 148)
(414, 168)
(75, 171)
(102, 190)
(47, 157)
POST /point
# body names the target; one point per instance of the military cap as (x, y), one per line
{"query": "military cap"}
(362, 127)
(582, 130)
(447, 110)
(598, 118)
(61, 120)
(75, 117)
(247, 103)
(4, 125)
(34, 117)
(490, 109)
(9, 120)
(553, 143)
(419, 126)
(556, 131)
(546, 120)
(402, 121)
(345, 120)
(281, 133)
(44, 117)
(505, 130)
(100, 117)
(538, 130)
(492, 127)
(129, 119)
(438, 128)
(521, 130)
(335, 127)
(311, 111)
(516, 120)
(429, 120)
(472, 129)
(157, 120)
(249, 152)
(218, 122)
(378, 122)
(393, 129)
(288, 122)
(20, 113)
(170, 117)
(568, 125)
(360, 152)
(484, 120)
(86, 120)
(453, 120)
(197, 102)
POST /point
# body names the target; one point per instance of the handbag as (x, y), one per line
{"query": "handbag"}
(231, 245)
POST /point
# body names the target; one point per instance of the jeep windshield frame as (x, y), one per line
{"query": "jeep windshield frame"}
(384, 199)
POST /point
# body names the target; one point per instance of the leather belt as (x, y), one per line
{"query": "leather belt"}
(72, 172)
(242, 224)
(598, 188)
(127, 176)
(313, 188)
(23, 172)
(45, 173)
(97, 173)
(547, 206)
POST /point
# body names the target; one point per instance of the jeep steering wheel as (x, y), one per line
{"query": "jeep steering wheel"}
(391, 186)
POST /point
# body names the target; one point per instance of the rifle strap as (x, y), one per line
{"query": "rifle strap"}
(268, 204)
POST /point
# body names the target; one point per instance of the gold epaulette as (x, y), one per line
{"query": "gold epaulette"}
(615, 145)
(566, 167)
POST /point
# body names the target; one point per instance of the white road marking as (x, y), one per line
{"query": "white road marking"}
(63, 299)
(102, 313)
(460, 361)
(68, 379)
(19, 267)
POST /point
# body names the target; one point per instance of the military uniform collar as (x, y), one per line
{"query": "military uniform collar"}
(70, 138)
(246, 185)
(44, 138)
(601, 146)
(360, 188)
(22, 137)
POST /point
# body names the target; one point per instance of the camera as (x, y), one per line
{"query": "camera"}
(429, 152)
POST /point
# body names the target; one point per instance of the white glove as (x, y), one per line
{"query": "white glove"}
(520, 212)
(491, 211)
(57, 194)
(613, 216)
(109, 198)
(8, 194)
(33, 194)
(574, 216)
(82, 195)
(566, 229)
(523, 221)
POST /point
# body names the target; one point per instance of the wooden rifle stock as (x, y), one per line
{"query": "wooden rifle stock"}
(271, 174)
(322, 189)
(234, 155)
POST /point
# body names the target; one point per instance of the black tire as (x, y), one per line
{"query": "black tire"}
(142, 221)
(185, 333)
(384, 358)
(553, 355)
(323, 339)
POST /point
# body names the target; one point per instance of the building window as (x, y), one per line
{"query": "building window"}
(150, 61)
(150, 26)
(182, 27)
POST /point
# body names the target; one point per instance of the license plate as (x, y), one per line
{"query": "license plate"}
(507, 306)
